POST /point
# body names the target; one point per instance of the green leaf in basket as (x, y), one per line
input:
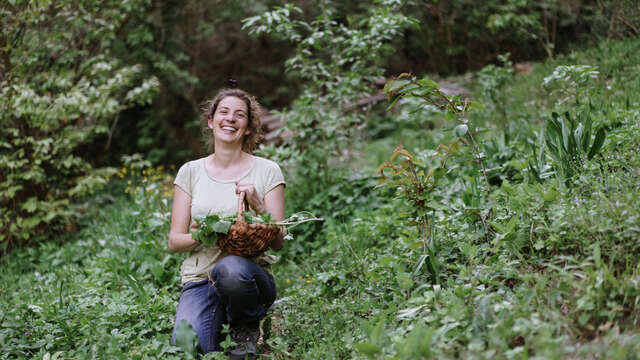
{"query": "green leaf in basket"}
(207, 222)
(221, 226)
(266, 217)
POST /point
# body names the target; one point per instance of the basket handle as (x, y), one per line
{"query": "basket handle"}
(240, 206)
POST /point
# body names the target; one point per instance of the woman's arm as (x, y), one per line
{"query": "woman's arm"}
(274, 203)
(180, 239)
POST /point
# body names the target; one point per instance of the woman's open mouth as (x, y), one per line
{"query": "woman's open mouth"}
(229, 129)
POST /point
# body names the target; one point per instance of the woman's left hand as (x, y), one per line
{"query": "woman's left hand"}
(251, 197)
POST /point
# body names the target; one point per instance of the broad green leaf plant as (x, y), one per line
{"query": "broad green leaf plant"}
(568, 142)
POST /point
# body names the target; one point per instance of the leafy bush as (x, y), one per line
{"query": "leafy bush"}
(340, 61)
(570, 82)
(60, 91)
(546, 268)
(493, 80)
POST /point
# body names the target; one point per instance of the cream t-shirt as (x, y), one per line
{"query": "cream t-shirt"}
(210, 195)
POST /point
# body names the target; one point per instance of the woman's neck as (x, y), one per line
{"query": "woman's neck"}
(227, 157)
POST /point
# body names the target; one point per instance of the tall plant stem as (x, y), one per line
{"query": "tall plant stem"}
(476, 149)
(424, 234)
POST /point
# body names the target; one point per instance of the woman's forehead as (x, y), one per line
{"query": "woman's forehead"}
(233, 103)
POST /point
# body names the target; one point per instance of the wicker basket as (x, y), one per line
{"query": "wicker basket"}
(247, 240)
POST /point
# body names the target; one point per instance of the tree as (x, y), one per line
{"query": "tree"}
(61, 86)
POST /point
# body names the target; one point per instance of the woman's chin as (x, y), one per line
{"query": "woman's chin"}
(229, 140)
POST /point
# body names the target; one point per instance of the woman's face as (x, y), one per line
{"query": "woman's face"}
(230, 121)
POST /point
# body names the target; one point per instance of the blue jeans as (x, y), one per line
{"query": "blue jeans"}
(241, 292)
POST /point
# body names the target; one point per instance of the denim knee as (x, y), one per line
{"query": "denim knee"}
(245, 288)
(231, 275)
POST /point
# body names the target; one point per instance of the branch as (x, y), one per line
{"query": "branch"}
(626, 22)
(6, 57)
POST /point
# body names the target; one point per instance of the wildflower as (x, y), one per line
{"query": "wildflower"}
(308, 281)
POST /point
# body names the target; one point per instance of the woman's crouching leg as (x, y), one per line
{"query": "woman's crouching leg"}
(199, 306)
(245, 288)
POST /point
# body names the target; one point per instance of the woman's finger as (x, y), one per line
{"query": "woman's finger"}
(251, 196)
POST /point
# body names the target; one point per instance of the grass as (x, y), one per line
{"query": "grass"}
(543, 269)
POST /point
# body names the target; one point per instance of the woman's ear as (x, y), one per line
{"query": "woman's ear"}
(210, 122)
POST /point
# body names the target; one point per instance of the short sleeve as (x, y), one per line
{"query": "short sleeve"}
(273, 177)
(184, 179)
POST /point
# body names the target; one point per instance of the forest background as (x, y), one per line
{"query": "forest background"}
(100, 102)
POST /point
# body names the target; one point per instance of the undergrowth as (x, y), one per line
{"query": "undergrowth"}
(538, 265)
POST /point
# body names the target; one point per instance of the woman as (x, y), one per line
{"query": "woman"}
(219, 288)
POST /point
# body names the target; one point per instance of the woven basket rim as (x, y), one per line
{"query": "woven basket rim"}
(261, 243)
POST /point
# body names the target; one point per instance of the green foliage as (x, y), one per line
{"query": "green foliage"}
(210, 226)
(568, 142)
(529, 20)
(538, 271)
(60, 91)
(493, 80)
(186, 338)
(570, 83)
(109, 290)
(341, 60)
(416, 179)
(551, 267)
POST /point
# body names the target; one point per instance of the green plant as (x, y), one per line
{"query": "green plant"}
(527, 20)
(453, 106)
(568, 142)
(57, 96)
(493, 80)
(570, 82)
(416, 179)
(186, 338)
(340, 60)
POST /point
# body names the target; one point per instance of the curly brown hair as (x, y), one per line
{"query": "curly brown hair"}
(251, 141)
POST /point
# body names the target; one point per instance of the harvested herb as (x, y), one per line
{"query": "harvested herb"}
(211, 226)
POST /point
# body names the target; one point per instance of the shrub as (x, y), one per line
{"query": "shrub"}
(61, 90)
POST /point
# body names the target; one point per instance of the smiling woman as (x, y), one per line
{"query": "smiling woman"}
(220, 288)
(250, 110)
